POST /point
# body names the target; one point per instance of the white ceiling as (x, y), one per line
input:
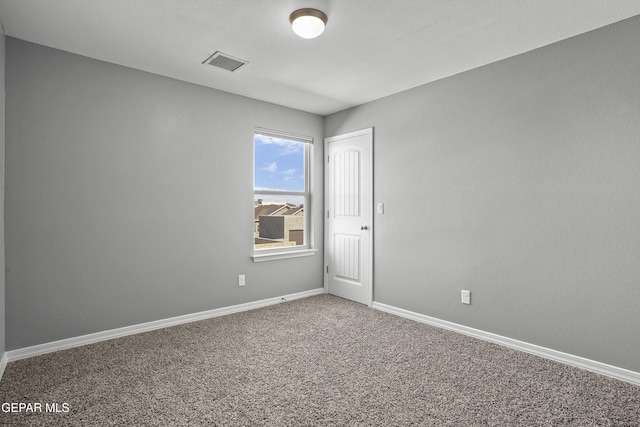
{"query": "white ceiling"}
(370, 48)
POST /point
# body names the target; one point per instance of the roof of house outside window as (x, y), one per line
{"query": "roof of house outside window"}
(277, 209)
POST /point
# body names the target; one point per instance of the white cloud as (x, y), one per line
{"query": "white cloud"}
(286, 147)
(288, 174)
(272, 167)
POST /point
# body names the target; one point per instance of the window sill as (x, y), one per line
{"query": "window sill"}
(272, 256)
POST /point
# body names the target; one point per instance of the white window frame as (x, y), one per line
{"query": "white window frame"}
(270, 254)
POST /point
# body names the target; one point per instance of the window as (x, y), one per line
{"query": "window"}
(281, 195)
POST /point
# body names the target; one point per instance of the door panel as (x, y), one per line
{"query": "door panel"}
(346, 187)
(348, 204)
(347, 257)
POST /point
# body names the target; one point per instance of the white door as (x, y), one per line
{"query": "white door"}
(348, 215)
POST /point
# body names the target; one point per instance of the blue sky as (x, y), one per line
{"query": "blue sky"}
(279, 164)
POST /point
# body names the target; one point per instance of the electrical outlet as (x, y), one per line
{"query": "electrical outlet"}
(466, 297)
(241, 280)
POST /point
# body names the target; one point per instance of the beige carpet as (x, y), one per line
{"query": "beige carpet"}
(319, 361)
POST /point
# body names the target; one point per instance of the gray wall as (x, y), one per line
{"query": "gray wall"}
(129, 197)
(2, 281)
(519, 181)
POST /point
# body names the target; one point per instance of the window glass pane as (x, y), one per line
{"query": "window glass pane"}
(279, 164)
(278, 221)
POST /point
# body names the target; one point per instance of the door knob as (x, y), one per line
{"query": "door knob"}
(364, 227)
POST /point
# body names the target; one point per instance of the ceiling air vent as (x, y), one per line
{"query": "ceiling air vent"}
(227, 62)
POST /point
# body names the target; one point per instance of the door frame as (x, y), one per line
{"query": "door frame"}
(325, 214)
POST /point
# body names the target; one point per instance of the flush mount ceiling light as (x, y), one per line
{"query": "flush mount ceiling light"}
(308, 23)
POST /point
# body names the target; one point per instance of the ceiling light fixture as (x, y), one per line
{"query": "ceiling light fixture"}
(308, 23)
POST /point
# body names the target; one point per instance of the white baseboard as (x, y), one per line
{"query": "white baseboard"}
(3, 364)
(36, 350)
(547, 353)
